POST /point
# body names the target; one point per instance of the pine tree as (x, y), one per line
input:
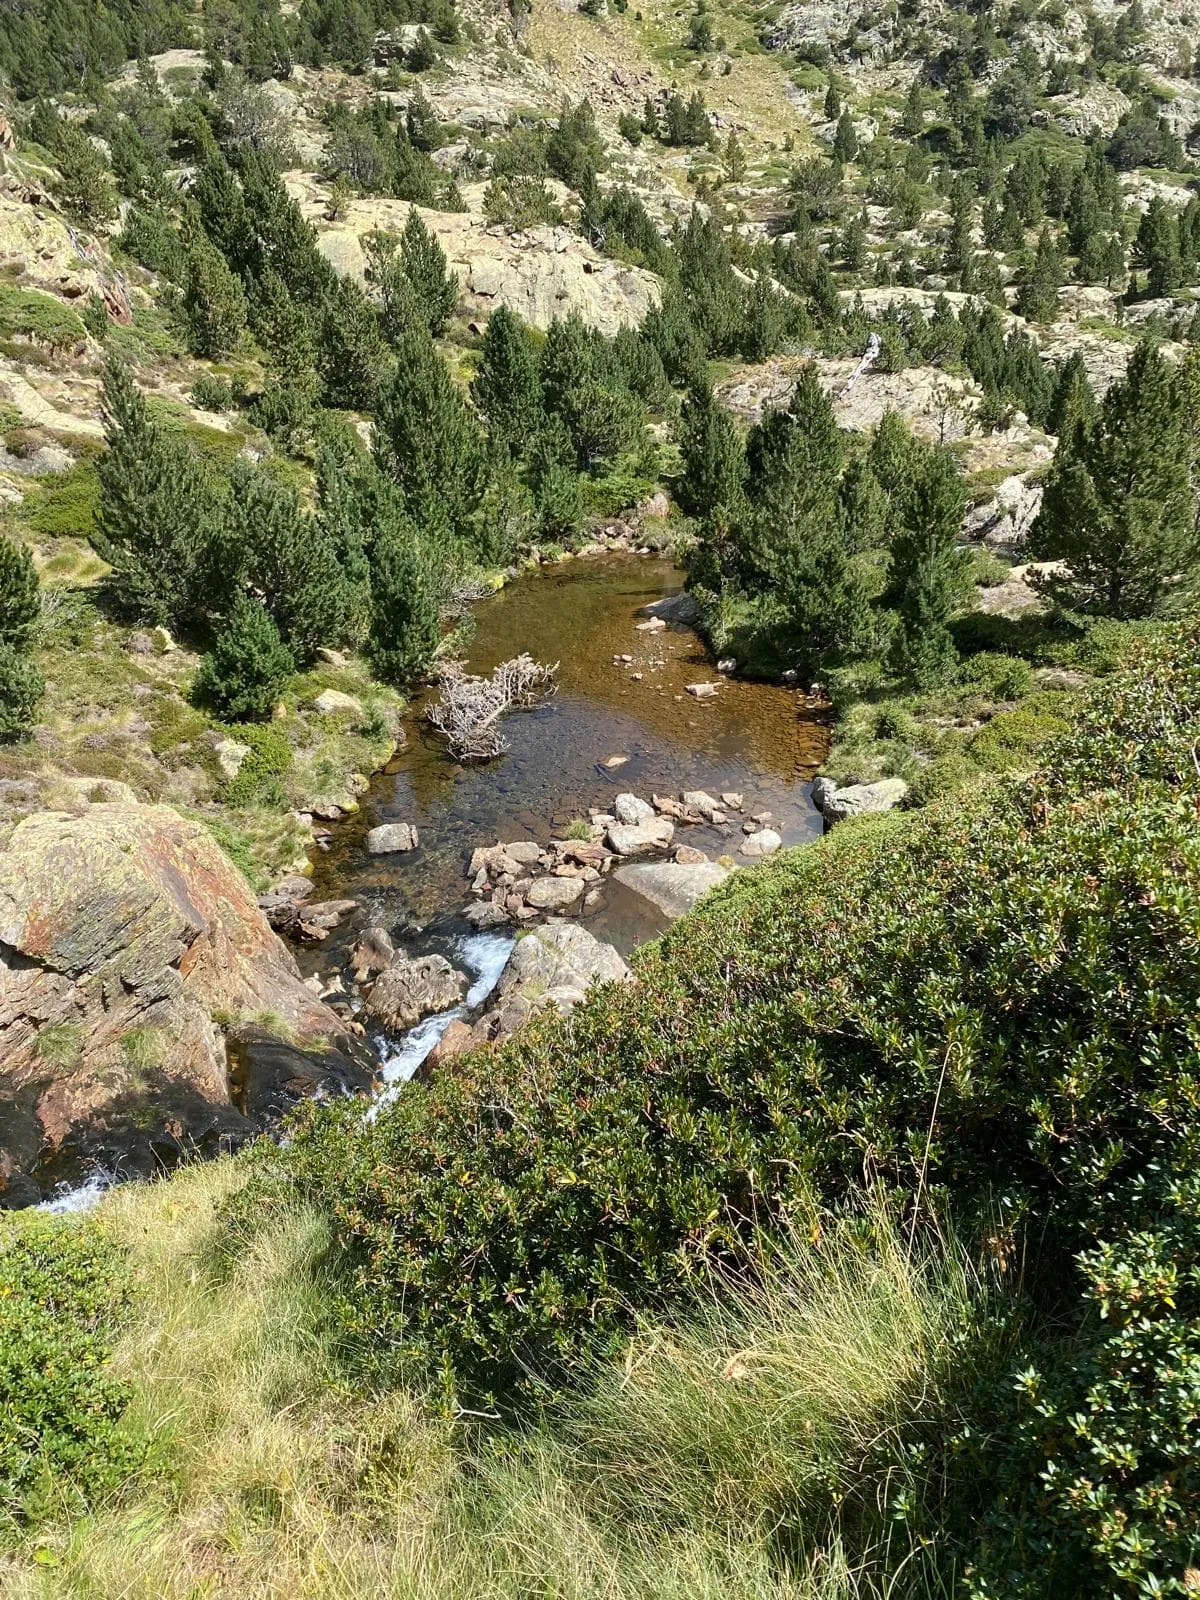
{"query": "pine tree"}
(1073, 405)
(424, 262)
(288, 558)
(1119, 507)
(865, 506)
(557, 487)
(763, 319)
(84, 187)
(845, 140)
(157, 522)
(350, 354)
(912, 118)
(421, 122)
(506, 387)
(405, 631)
(425, 438)
(20, 595)
(243, 675)
(960, 246)
(795, 554)
(1040, 280)
(833, 101)
(928, 572)
(714, 460)
(21, 690)
(854, 242)
(214, 306)
(1157, 249)
(222, 207)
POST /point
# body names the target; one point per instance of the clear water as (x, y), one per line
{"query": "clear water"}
(761, 740)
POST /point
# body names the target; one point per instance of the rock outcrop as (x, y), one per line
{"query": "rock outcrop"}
(131, 951)
(540, 273)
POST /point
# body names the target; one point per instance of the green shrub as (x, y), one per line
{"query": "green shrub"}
(212, 393)
(40, 318)
(1000, 677)
(63, 1294)
(258, 781)
(892, 721)
(66, 506)
(248, 667)
(21, 690)
(1017, 737)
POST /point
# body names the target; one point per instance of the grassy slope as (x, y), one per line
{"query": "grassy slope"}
(269, 1478)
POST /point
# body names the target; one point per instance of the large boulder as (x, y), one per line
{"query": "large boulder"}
(412, 988)
(556, 965)
(555, 894)
(390, 838)
(540, 273)
(859, 799)
(673, 886)
(130, 950)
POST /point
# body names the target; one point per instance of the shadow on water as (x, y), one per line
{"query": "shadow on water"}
(761, 740)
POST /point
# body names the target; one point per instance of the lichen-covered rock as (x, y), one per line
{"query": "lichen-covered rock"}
(554, 965)
(128, 944)
(860, 799)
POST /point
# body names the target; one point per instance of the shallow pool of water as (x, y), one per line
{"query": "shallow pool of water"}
(761, 740)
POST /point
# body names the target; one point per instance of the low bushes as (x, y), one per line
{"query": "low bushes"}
(63, 1296)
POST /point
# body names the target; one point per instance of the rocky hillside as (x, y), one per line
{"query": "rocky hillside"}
(316, 325)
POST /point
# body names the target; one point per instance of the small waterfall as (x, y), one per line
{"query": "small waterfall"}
(71, 1200)
(483, 954)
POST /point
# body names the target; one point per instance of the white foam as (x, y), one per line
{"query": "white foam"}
(484, 954)
(74, 1200)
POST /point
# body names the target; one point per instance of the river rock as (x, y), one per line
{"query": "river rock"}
(763, 843)
(374, 951)
(697, 800)
(458, 1038)
(555, 894)
(333, 703)
(673, 886)
(821, 790)
(681, 610)
(861, 798)
(412, 988)
(124, 931)
(484, 914)
(525, 851)
(656, 834)
(392, 837)
(630, 811)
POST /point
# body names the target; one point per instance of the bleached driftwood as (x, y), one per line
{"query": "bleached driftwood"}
(468, 709)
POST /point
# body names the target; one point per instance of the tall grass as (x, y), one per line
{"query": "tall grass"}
(747, 1453)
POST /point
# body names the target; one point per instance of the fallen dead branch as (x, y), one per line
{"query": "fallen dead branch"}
(468, 709)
